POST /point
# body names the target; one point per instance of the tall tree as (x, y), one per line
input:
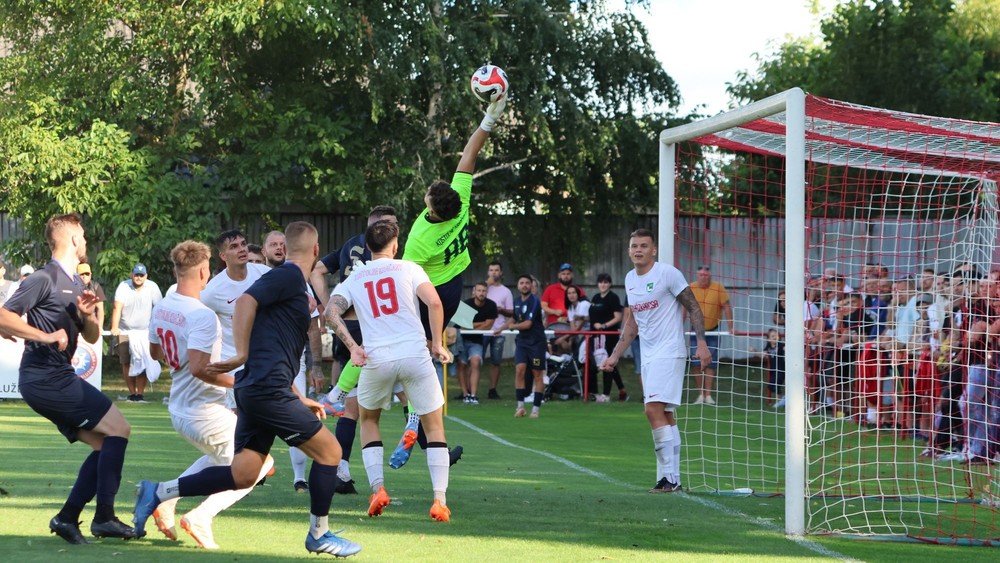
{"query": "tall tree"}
(158, 119)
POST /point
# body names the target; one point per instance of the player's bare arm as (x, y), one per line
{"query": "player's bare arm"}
(199, 361)
(316, 349)
(629, 331)
(317, 279)
(336, 307)
(435, 312)
(87, 304)
(243, 316)
(690, 304)
(116, 317)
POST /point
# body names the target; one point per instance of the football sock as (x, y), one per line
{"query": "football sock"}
(83, 490)
(676, 461)
(299, 459)
(349, 377)
(318, 525)
(205, 482)
(438, 463)
(421, 436)
(202, 462)
(663, 446)
(537, 400)
(322, 483)
(345, 432)
(217, 502)
(521, 394)
(373, 453)
(109, 476)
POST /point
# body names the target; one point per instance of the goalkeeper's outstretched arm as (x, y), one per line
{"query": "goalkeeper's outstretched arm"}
(471, 152)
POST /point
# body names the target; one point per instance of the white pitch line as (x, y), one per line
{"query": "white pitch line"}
(762, 522)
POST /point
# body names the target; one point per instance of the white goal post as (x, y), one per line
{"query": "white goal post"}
(874, 408)
(792, 103)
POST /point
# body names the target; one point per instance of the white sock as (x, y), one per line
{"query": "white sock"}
(167, 490)
(336, 394)
(217, 502)
(299, 459)
(664, 448)
(318, 525)
(676, 462)
(438, 463)
(344, 470)
(203, 462)
(872, 415)
(374, 457)
(520, 404)
(535, 409)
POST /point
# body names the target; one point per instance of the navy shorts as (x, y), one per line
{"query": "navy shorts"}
(342, 353)
(450, 293)
(532, 354)
(69, 402)
(264, 413)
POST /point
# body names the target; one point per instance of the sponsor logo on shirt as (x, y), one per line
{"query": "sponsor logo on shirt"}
(647, 306)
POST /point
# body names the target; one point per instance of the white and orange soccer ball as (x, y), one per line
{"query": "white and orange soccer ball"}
(489, 83)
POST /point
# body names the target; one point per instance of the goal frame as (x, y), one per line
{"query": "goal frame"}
(793, 103)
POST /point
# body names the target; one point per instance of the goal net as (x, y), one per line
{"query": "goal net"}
(858, 248)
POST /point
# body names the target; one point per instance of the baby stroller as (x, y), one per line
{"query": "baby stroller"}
(563, 379)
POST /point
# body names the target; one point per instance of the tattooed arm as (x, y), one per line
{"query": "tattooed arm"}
(335, 310)
(690, 304)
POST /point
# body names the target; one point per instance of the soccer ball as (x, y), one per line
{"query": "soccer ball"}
(489, 83)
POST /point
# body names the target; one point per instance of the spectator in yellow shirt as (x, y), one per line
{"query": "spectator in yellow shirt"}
(714, 301)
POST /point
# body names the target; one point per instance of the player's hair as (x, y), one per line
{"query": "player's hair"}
(380, 235)
(643, 233)
(480, 283)
(496, 263)
(445, 201)
(223, 239)
(188, 255)
(380, 211)
(525, 277)
(300, 236)
(268, 235)
(255, 248)
(55, 225)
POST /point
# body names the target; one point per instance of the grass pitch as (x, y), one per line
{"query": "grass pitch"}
(570, 486)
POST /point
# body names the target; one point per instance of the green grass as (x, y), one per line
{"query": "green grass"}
(570, 486)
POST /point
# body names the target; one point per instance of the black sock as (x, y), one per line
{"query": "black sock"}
(345, 431)
(521, 394)
(207, 481)
(83, 490)
(322, 483)
(421, 437)
(109, 475)
(537, 399)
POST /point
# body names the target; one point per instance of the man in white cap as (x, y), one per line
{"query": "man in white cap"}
(134, 301)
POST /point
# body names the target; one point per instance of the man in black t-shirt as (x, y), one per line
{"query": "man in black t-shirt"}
(606, 313)
(58, 310)
(270, 325)
(486, 313)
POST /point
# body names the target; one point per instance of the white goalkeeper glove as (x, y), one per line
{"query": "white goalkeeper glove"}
(493, 112)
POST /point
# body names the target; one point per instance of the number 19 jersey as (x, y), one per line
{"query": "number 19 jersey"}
(384, 295)
(180, 323)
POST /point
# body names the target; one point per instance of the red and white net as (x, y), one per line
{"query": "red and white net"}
(903, 354)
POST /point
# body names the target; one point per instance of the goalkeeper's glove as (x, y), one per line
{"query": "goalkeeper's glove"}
(493, 112)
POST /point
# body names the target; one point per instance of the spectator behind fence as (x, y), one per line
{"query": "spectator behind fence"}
(87, 277)
(578, 318)
(554, 297)
(606, 313)
(774, 354)
(486, 314)
(494, 345)
(134, 301)
(714, 301)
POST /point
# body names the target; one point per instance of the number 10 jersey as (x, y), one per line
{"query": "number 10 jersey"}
(180, 323)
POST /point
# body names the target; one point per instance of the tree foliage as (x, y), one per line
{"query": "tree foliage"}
(159, 120)
(934, 57)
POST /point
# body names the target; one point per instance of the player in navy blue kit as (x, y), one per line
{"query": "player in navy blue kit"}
(270, 327)
(529, 346)
(59, 310)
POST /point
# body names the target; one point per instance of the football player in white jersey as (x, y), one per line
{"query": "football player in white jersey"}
(658, 295)
(384, 293)
(185, 333)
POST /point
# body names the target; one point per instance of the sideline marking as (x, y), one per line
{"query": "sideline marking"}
(761, 522)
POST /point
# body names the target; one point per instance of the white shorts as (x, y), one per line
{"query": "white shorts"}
(211, 436)
(378, 381)
(663, 380)
(300, 379)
